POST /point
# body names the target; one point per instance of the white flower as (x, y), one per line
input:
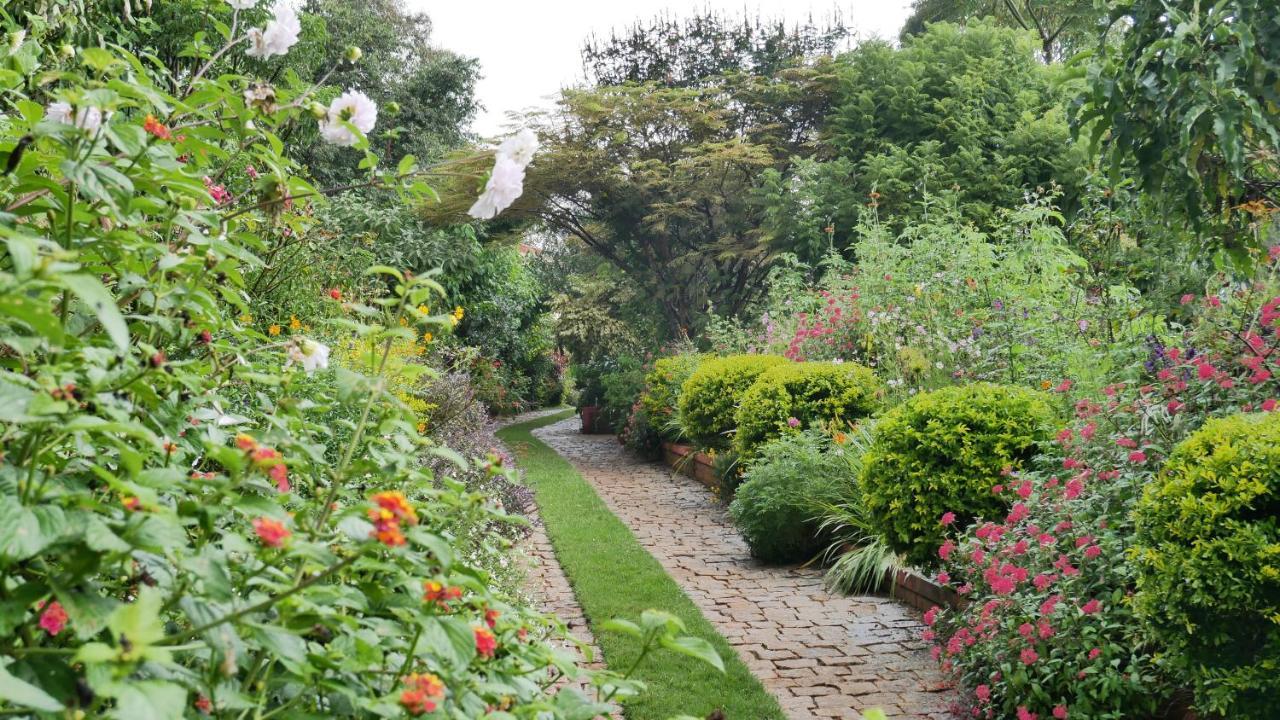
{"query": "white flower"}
(520, 147)
(311, 354)
(242, 4)
(277, 37)
(506, 183)
(85, 118)
(353, 107)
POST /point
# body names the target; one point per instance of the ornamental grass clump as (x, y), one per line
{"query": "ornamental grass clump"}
(710, 397)
(1207, 551)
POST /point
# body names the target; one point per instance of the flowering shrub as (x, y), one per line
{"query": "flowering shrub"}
(936, 457)
(709, 398)
(1205, 546)
(792, 396)
(1050, 625)
(198, 516)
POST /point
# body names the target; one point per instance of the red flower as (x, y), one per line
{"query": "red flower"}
(491, 618)
(434, 592)
(421, 692)
(947, 518)
(272, 533)
(1028, 656)
(203, 704)
(486, 643)
(1137, 456)
(157, 128)
(1091, 607)
(335, 293)
(983, 692)
(1269, 404)
(53, 619)
(1060, 712)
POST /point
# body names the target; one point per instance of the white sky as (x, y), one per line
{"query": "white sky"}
(529, 49)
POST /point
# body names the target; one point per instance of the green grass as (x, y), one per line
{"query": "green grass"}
(614, 577)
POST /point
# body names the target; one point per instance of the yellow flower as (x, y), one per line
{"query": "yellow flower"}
(457, 313)
(424, 309)
(273, 330)
(422, 428)
(294, 322)
(428, 337)
(246, 318)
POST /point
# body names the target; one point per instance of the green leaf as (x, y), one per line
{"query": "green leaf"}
(874, 714)
(695, 647)
(92, 293)
(625, 627)
(25, 694)
(149, 700)
(14, 400)
(24, 531)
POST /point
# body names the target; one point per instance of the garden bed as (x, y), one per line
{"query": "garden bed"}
(687, 461)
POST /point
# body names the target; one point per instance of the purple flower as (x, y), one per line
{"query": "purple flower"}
(793, 422)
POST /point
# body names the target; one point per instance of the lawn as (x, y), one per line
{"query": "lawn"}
(614, 577)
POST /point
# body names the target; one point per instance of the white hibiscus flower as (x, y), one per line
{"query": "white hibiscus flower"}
(85, 118)
(506, 181)
(277, 37)
(353, 107)
(308, 353)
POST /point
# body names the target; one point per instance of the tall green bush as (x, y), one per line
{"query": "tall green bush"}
(789, 397)
(1207, 549)
(709, 398)
(943, 452)
(661, 396)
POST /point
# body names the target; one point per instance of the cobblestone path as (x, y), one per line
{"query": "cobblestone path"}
(822, 655)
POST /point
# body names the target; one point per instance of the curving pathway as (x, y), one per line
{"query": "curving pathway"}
(822, 655)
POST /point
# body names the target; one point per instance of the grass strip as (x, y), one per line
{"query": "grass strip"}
(614, 577)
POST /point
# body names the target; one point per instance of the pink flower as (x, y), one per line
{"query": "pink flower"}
(1137, 456)
(1188, 299)
(1024, 490)
(983, 692)
(948, 518)
(1073, 488)
(1060, 712)
(931, 615)
(1091, 607)
(1063, 386)
(54, 619)
(1028, 656)
(1025, 714)
(946, 549)
(1094, 653)
(1042, 581)
(1087, 432)
(1269, 404)
(944, 578)
(793, 422)
(1026, 630)
(1092, 551)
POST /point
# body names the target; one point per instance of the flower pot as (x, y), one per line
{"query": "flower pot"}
(590, 413)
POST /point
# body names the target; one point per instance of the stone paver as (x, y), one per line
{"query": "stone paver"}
(821, 655)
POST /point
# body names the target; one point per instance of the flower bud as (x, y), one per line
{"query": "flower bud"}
(318, 110)
(392, 108)
(353, 54)
(67, 51)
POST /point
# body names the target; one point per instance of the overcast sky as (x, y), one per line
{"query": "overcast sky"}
(529, 49)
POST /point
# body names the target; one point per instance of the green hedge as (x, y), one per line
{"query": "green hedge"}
(813, 393)
(710, 396)
(1207, 548)
(942, 452)
(662, 391)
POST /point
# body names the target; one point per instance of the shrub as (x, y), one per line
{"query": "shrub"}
(709, 398)
(782, 493)
(941, 452)
(793, 396)
(1206, 553)
(662, 391)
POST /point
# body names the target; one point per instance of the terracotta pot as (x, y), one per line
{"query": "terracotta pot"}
(589, 414)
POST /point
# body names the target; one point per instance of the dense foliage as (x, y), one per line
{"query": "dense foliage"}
(709, 398)
(781, 495)
(1204, 548)
(794, 396)
(936, 457)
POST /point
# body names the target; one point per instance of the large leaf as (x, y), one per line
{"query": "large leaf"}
(24, 531)
(25, 694)
(92, 293)
(149, 700)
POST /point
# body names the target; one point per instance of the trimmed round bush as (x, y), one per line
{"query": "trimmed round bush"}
(1207, 550)
(813, 393)
(942, 452)
(710, 396)
(782, 493)
(662, 391)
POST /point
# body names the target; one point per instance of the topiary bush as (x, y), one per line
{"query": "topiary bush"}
(790, 397)
(782, 494)
(942, 452)
(662, 391)
(709, 398)
(1207, 550)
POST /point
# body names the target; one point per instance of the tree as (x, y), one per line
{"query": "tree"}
(1062, 26)
(695, 50)
(961, 115)
(1188, 103)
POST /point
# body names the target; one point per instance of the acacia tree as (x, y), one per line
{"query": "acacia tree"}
(1062, 26)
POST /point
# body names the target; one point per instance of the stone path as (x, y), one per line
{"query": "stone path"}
(821, 655)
